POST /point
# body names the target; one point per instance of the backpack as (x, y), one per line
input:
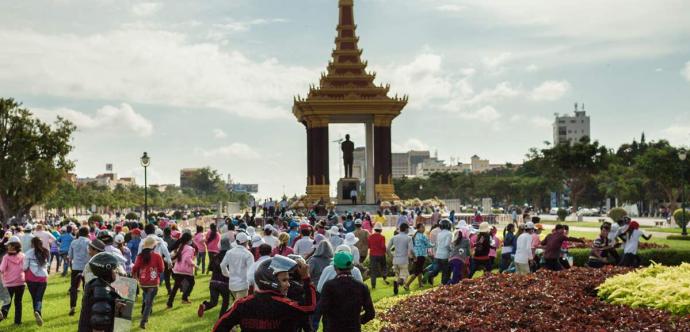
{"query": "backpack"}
(482, 246)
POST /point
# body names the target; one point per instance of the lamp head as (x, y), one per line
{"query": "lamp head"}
(145, 160)
(682, 154)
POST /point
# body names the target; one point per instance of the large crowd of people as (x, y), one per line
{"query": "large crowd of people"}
(290, 273)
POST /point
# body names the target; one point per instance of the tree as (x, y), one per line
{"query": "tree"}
(659, 163)
(33, 158)
(577, 164)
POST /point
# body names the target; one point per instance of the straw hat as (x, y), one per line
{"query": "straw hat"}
(484, 227)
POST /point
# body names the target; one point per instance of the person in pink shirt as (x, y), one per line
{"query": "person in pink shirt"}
(536, 243)
(183, 269)
(12, 274)
(212, 243)
(495, 243)
(200, 244)
(366, 224)
(46, 238)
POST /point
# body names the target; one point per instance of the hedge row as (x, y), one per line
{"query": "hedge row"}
(669, 257)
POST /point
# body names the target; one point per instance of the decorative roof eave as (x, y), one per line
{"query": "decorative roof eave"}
(303, 109)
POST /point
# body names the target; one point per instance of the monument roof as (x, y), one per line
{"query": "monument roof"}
(346, 86)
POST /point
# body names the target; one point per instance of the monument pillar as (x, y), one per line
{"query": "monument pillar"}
(383, 163)
(318, 183)
(370, 178)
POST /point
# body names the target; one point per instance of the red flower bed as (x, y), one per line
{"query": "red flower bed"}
(545, 301)
(643, 245)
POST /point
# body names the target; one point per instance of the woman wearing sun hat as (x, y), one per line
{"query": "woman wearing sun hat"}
(480, 250)
(350, 241)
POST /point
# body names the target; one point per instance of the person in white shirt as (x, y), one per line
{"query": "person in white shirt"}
(265, 253)
(304, 246)
(442, 245)
(523, 250)
(46, 238)
(269, 238)
(350, 241)
(400, 247)
(632, 242)
(329, 272)
(353, 196)
(235, 265)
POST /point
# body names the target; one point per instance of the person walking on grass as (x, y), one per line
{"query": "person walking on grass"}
(343, 299)
(524, 252)
(421, 246)
(218, 286)
(212, 243)
(36, 275)
(400, 247)
(147, 270)
(377, 252)
(200, 243)
(78, 256)
(480, 250)
(235, 265)
(508, 250)
(444, 239)
(183, 269)
(12, 274)
(65, 241)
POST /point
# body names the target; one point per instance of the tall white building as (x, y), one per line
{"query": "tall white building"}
(571, 128)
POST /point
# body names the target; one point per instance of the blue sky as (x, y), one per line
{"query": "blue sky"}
(211, 83)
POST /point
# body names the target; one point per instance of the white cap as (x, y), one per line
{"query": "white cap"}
(257, 241)
(334, 230)
(241, 238)
(13, 239)
(251, 231)
(119, 238)
(350, 239)
(343, 248)
(529, 225)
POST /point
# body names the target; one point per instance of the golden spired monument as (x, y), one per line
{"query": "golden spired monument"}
(347, 94)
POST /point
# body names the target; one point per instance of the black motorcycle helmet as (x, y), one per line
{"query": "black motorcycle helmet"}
(103, 264)
(266, 275)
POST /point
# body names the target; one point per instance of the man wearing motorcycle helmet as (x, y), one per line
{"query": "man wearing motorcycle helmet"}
(269, 309)
(99, 303)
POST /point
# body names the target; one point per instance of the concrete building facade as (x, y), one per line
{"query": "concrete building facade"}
(571, 128)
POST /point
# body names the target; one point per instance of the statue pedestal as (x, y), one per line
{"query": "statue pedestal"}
(345, 186)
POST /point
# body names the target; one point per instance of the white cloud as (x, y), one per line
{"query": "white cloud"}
(495, 64)
(550, 90)
(686, 71)
(532, 68)
(219, 133)
(411, 144)
(450, 8)
(677, 134)
(486, 114)
(541, 122)
(145, 8)
(658, 70)
(234, 150)
(123, 118)
(148, 66)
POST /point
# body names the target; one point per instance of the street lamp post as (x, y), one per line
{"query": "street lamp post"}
(145, 162)
(682, 155)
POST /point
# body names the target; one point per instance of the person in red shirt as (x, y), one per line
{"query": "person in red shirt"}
(147, 270)
(552, 247)
(377, 255)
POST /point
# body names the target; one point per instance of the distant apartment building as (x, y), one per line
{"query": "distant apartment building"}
(107, 180)
(476, 165)
(405, 163)
(571, 128)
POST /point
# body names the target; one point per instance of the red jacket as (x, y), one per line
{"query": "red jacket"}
(148, 274)
(377, 244)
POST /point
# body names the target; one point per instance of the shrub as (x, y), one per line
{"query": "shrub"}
(132, 216)
(652, 287)
(678, 217)
(617, 213)
(562, 213)
(96, 218)
(678, 237)
(670, 257)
